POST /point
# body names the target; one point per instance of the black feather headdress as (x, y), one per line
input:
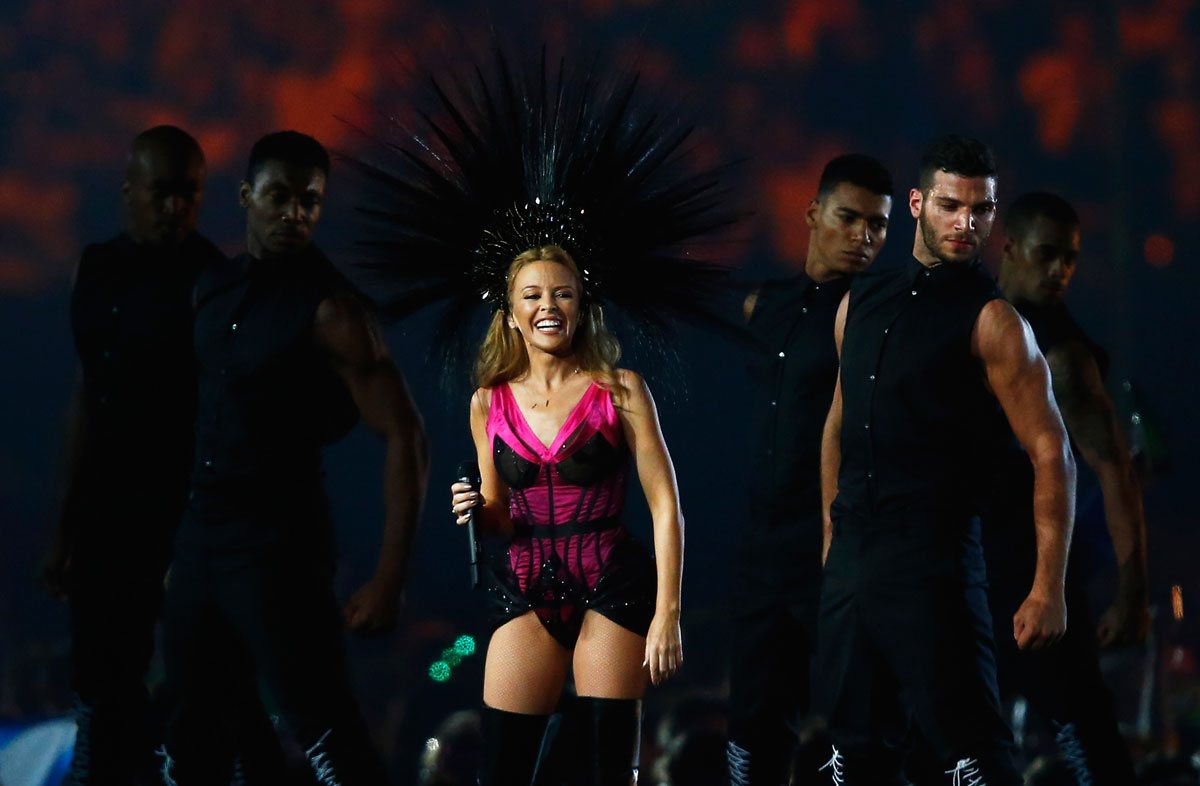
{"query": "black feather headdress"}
(510, 159)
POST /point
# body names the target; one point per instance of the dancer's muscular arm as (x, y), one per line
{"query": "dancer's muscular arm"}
(346, 329)
(639, 420)
(1092, 422)
(1018, 376)
(831, 437)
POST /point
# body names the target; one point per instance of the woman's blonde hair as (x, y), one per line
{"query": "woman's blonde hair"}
(502, 356)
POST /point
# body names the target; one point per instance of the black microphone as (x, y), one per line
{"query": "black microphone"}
(468, 472)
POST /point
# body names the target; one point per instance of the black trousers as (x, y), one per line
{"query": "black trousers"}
(115, 595)
(775, 592)
(270, 614)
(905, 636)
(1063, 683)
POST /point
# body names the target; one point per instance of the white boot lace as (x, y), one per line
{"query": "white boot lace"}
(966, 773)
(738, 759)
(835, 765)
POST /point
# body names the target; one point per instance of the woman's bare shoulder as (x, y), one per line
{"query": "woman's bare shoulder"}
(481, 401)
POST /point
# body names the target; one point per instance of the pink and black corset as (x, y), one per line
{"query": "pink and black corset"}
(569, 552)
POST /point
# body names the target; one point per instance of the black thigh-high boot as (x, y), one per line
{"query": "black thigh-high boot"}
(511, 745)
(609, 737)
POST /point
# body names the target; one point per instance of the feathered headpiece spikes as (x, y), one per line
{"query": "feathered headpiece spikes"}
(510, 161)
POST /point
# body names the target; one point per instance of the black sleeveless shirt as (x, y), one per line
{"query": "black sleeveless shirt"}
(268, 398)
(919, 426)
(131, 317)
(792, 376)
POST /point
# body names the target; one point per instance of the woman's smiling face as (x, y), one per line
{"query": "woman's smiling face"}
(544, 306)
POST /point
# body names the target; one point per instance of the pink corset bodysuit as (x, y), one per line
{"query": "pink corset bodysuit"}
(569, 552)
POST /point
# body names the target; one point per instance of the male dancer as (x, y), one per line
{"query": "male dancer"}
(288, 358)
(130, 447)
(777, 574)
(1064, 682)
(929, 354)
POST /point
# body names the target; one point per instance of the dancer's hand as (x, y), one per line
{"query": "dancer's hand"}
(464, 498)
(1041, 620)
(1124, 623)
(375, 608)
(664, 647)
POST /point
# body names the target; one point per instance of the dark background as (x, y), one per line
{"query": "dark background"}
(1095, 100)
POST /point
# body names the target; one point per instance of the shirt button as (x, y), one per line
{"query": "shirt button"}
(115, 309)
(773, 403)
(804, 310)
(886, 329)
(927, 274)
(866, 425)
(872, 377)
(781, 354)
(870, 474)
(914, 291)
(233, 326)
(208, 462)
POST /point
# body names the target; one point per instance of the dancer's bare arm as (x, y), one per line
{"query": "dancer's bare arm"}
(1092, 422)
(1019, 377)
(831, 437)
(347, 330)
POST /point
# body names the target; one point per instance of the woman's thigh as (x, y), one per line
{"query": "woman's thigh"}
(608, 660)
(525, 668)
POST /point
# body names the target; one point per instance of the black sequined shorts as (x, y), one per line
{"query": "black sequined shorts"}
(559, 592)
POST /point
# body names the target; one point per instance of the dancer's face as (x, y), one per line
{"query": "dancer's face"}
(163, 190)
(954, 217)
(283, 206)
(544, 306)
(849, 227)
(1039, 265)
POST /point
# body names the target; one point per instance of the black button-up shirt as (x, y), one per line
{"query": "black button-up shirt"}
(919, 426)
(793, 377)
(131, 316)
(268, 398)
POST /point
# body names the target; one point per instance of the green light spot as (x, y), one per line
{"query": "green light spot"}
(465, 645)
(439, 671)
